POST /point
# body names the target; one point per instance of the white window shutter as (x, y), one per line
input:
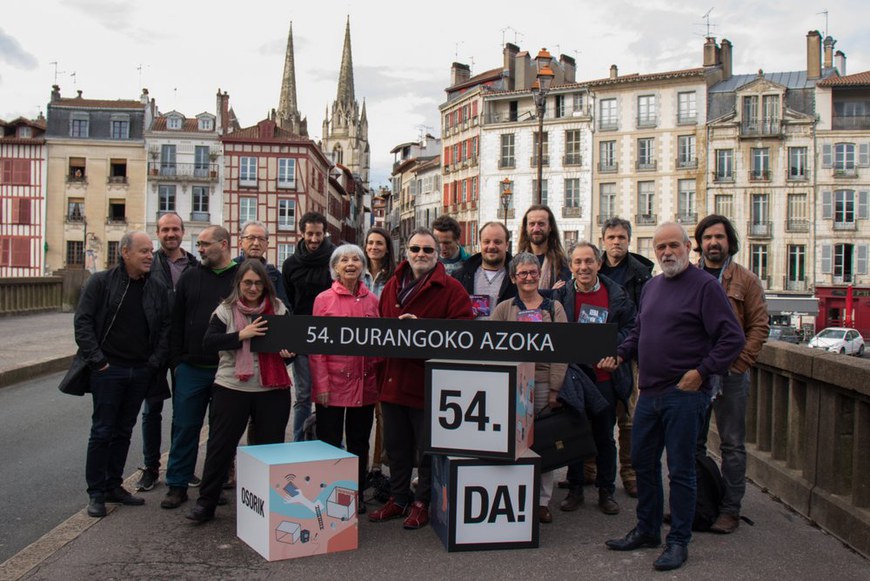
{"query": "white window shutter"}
(826, 259)
(863, 212)
(864, 155)
(861, 252)
(827, 206)
(827, 155)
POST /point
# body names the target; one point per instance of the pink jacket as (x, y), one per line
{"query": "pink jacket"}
(351, 381)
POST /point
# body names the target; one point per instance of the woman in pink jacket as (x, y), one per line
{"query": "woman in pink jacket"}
(345, 388)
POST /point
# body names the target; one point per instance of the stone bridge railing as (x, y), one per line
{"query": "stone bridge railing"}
(808, 436)
(19, 296)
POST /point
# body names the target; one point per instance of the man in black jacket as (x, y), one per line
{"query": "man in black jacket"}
(197, 295)
(254, 243)
(484, 275)
(122, 330)
(306, 275)
(170, 260)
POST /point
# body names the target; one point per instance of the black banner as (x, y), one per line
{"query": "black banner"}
(440, 339)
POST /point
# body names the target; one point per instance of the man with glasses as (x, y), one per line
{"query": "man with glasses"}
(253, 243)
(420, 288)
(197, 295)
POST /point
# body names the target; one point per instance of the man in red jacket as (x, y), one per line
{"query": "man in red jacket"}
(420, 288)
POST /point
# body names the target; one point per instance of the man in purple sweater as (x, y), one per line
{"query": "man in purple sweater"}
(686, 332)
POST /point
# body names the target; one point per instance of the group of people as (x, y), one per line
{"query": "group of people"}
(685, 337)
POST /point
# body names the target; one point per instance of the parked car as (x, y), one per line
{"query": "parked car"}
(786, 334)
(839, 340)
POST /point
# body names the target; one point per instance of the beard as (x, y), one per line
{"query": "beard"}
(674, 266)
(493, 260)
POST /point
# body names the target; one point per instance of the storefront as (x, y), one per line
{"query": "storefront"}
(834, 308)
(798, 311)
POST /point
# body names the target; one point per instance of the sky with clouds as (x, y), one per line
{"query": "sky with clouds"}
(402, 52)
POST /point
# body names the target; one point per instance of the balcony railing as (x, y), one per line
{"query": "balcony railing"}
(533, 161)
(645, 219)
(572, 212)
(511, 213)
(852, 122)
(794, 285)
(846, 226)
(200, 217)
(795, 175)
(604, 167)
(507, 163)
(602, 218)
(759, 175)
(723, 177)
(645, 165)
(796, 225)
(686, 218)
(682, 163)
(184, 171)
(116, 220)
(71, 178)
(759, 229)
(687, 119)
(771, 128)
(572, 159)
(643, 122)
(608, 125)
(74, 219)
(845, 172)
(119, 180)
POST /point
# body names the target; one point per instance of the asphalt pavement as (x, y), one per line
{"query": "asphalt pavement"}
(150, 542)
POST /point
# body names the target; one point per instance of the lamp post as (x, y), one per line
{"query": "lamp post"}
(540, 88)
(506, 194)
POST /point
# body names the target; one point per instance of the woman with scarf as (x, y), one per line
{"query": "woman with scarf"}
(345, 388)
(247, 385)
(529, 305)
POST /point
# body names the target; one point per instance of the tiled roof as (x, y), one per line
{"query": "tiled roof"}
(489, 75)
(856, 80)
(189, 125)
(253, 133)
(636, 78)
(78, 103)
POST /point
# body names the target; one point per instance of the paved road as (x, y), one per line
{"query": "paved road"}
(44, 435)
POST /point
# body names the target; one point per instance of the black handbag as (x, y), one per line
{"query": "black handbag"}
(77, 380)
(562, 437)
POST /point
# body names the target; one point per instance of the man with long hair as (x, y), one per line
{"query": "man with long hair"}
(539, 235)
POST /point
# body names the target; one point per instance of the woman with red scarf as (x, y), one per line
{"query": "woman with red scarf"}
(247, 385)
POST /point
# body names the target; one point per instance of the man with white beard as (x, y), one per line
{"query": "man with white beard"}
(685, 333)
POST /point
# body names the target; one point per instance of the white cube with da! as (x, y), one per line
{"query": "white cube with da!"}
(480, 409)
(295, 500)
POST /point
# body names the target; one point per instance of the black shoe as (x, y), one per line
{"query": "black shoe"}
(671, 558)
(194, 482)
(200, 514)
(222, 499)
(563, 484)
(573, 501)
(150, 477)
(97, 507)
(174, 498)
(606, 502)
(121, 496)
(634, 540)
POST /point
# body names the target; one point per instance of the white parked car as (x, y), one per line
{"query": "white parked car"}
(839, 340)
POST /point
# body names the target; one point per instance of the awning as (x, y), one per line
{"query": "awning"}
(792, 305)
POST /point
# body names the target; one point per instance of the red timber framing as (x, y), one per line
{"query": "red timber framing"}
(22, 202)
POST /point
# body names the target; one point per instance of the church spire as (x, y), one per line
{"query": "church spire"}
(288, 114)
(345, 75)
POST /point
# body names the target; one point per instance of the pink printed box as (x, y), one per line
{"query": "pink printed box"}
(296, 500)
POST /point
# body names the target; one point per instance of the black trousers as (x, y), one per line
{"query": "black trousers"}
(228, 417)
(354, 425)
(403, 436)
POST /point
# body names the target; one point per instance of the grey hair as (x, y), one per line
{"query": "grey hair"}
(126, 242)
(596, 252)
(344, 250)
(254, 223)
(522, 258)
(664, 225)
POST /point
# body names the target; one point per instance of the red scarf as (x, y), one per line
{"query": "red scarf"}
(273, 371)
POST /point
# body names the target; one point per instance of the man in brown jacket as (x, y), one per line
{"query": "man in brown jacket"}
(717, 242)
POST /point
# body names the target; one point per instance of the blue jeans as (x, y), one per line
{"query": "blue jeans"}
(190, 400)
(117, 394)
(152, 424)
(602, 433)
(302, 405)
(668, 422)
(730, 409)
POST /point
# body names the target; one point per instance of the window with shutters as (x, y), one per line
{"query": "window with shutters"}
(646, 153)
(724, 204)
(758, 261)
(796, 268)
(646, 111)
(796, 211)
(15, 251)
(724, 165)
(798, 163)
(21, 211)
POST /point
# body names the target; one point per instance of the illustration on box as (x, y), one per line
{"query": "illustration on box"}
(525, 408)
(306, 509)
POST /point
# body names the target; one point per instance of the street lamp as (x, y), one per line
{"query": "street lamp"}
(506, 194)
(540, 88)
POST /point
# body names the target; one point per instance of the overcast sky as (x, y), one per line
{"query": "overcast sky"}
(402, 51)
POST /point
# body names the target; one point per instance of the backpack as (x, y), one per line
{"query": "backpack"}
(710, 491)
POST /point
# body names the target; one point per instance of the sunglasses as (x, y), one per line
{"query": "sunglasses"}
(418, 249)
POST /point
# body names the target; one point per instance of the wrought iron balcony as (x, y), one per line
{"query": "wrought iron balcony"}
(645, 219)
(759, 229)
(572, 212)
(184, 171)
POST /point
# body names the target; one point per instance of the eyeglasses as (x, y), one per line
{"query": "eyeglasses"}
(418, 249)
(204, 243)
(252, 283)
(528, 274)
(260, 239)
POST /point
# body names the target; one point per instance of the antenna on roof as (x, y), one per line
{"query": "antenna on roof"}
(515, 31)
(707, 18)
(73, 75)
(825, 12)
(56, 72)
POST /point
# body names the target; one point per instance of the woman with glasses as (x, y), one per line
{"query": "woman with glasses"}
(345, 388)
(529, 305)
(247, 385)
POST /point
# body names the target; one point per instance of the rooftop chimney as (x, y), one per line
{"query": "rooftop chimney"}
(510, 66)
(614, 72)
(459, 73)
(711, 52)
(569, 68)
(840, 60)
(55, 92)
(725, 58)
(829, 51)
(144, 97)
(814, 55)
(79, 96)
